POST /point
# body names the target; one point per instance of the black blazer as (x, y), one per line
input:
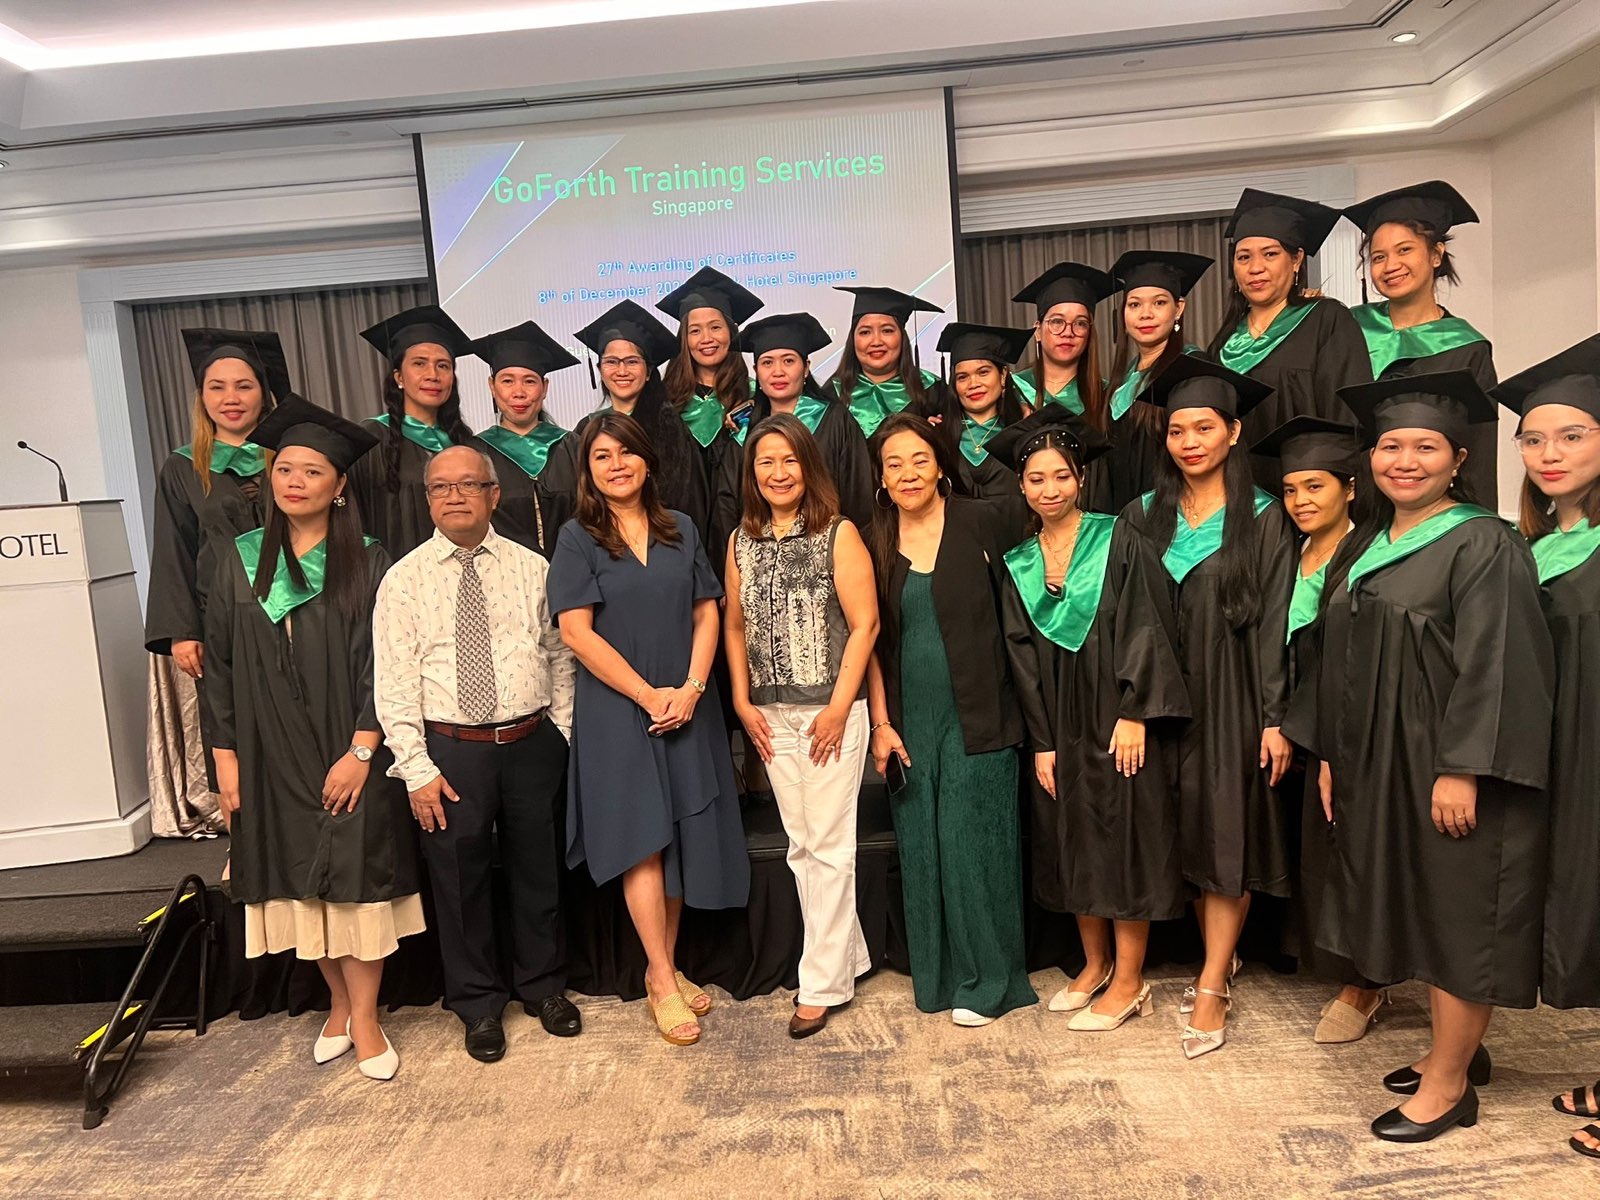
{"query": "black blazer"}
(966, 597)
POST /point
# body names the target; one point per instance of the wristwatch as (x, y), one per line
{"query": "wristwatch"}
(362, 753)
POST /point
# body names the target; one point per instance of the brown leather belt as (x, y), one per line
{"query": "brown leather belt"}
(500, 735)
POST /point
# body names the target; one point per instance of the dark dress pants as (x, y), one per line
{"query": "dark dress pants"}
(518, 790)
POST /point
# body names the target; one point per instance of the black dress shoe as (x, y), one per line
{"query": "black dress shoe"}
(1403, 1082)
(558, 1015)
(486, 1039)
(1395, 1126)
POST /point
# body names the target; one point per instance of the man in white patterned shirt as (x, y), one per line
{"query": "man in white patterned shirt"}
(474, 691)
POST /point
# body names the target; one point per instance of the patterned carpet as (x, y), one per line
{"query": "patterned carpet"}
(886, 1102)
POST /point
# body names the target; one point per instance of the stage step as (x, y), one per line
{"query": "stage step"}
(37, 1037)
(86, 922)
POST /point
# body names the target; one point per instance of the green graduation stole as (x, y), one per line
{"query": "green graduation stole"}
(1031, 390)
(530, 451)
(1242, 353)
(430, 437)
(1193, 544)
(974, 435)
(1383, 552)
(703, 414)
(242, 461)
(1128, 390)
(284, 597)
(1065, 619)
(1388, 345)
(873, 403)
(808, 410)
(1306, 600)
(1561, 550)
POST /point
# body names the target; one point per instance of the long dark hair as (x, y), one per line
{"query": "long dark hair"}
(1063, 446)
(844, 379)
(1241, 583)
(1238, 306)
(1446, 270)
(593, 511)
(883, 539)
(732, 382)
(345, 580)
(394, 403)
(1090, 380)
(819, 506)
(1148, 419)
(668, 436)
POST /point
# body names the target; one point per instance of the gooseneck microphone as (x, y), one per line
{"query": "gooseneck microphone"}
(61, 476)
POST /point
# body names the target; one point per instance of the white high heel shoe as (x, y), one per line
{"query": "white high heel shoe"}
(1186, 1005)
(329, 1048)
(1203, 1041)
(1067, 1000)
(382, 1066)
(1086, 1020)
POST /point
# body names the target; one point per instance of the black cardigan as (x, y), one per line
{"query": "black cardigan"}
(966, 589)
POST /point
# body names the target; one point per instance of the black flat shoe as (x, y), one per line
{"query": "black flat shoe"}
(558, 1015)
(486, 1040)
(1395, 1126)
(1404, 1081)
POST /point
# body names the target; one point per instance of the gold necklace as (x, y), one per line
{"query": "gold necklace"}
(782, 531)
(1062, 557)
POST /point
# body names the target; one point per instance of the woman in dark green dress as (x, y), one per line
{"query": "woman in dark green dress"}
(941, 702)
(521, 360)
(1558, 402)
(1431, 709)
(1092, 639)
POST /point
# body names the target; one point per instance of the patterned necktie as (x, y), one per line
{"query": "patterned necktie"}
(475, 689)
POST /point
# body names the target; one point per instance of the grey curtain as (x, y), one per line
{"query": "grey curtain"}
(329, 364)
(994, 267)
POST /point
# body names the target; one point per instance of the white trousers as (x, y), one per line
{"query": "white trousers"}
(818, 807)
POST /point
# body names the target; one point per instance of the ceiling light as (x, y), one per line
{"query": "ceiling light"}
(4, 163)
(1404, 39)
(1133, 62)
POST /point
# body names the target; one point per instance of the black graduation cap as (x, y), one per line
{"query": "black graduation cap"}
(710, 288)
(524, 345)
(1067, 283)
(427, 323)
(1571, 377)
(962, 340)
(1190, 381)
(1287, 219)
(1435, 205)
(887, 301)
(629, 323)
(1306, 443)
(800, 332)
(261, 349)
(1172, 270)
(298, 422)
(1052, 425)
(1444, 401)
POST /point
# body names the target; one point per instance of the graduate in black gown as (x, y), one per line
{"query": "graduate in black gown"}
(1431, 709)
(1092, 640)
(1305, 349)
(879, 373)
(979, 360)
(1405, 236)
(782, 346)
(631, 346)
(324, 854)
(521, 360)
(1326, 491)
(1229, 551)
(707, 380)
(1155, 285)
(1558, 402)
(421, 416)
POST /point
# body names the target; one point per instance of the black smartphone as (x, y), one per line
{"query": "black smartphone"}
(894, 775)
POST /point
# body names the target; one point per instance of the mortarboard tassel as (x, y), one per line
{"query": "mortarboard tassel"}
(589, 362)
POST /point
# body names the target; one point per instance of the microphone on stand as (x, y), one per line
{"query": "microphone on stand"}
(61, 476)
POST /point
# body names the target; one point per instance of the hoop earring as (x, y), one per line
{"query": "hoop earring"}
(338, 501)
(882, 498)
(944, 487)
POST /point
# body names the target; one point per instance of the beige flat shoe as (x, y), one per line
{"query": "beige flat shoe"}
(1086, 1020)
(1343, 1022)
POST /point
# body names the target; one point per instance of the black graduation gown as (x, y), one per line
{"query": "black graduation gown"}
(398, 519)
(1481, 472)
(1572, 910)
(1106, 846)
(683, 489)
(529, 513)
(1439, 663)
(190, 526)
(288, 698)
(1324, 353)
(1128, 470)
(1231, 826)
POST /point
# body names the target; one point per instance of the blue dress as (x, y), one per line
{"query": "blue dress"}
(630, 795)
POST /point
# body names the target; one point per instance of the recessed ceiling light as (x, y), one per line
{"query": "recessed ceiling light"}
(1403, 39)
(4, 163)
